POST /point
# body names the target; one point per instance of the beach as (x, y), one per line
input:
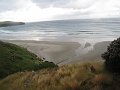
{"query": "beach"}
(64, 41)
(63, 52)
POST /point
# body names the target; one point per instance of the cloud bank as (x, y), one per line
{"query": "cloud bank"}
(42, 10)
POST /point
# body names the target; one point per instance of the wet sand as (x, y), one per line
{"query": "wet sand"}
(64, 52)
(56, 52)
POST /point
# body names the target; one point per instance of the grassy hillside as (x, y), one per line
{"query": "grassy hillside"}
(85, 76)
(16, 59)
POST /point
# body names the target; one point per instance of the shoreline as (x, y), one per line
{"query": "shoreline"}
(56, 52)
(63, 52)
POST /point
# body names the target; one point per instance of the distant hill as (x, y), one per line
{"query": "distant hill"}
(10, 23)
(17, 59)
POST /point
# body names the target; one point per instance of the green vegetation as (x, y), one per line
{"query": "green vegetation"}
(93, 75)
(112, 56)
(16, 59)
(84, 76)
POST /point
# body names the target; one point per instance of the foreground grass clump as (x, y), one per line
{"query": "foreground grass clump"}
(85, 76)
(16, 59)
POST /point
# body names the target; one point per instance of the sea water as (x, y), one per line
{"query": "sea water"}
(64, 30)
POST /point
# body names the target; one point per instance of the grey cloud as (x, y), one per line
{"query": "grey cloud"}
(75, 15)
(48, 3)
(74, 4)
(68, 8)
(6, 5)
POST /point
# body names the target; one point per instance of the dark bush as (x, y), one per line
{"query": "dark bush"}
(112, 56)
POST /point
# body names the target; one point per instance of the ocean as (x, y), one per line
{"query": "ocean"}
(64, 30)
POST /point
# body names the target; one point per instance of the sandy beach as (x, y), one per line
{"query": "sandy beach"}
(64, 52)
(56, 52)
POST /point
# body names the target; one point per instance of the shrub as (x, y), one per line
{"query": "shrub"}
(112, 56)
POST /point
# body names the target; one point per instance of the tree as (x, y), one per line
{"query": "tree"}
(112, 56)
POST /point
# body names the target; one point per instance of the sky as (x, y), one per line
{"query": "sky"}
(45, 10)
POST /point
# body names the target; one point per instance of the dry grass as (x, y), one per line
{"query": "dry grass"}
(67, 77)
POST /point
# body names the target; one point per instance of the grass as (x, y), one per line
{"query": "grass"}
(67, 77)
(16, 59)
(17, 67)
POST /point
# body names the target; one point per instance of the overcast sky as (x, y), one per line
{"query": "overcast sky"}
(40, 10)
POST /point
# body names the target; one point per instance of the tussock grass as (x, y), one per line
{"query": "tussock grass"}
(67, 77)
